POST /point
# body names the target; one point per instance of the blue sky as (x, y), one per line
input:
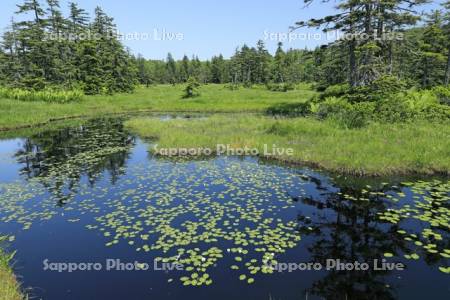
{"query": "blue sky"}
(203, 27)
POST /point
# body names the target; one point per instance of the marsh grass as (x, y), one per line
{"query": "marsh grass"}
(9, 287)
(48, 95)
(158, 98)
(378, 149)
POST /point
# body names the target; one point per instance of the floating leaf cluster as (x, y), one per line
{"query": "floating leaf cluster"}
(429, 211)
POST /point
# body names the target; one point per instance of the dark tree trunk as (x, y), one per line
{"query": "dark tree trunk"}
(352, 64)
(390, 58)
(447, 71)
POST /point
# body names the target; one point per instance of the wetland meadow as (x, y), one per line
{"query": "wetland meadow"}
(93, 213)
(247, 150)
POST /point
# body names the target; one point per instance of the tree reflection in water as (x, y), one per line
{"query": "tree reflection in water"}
(61, 157)
(350, 230)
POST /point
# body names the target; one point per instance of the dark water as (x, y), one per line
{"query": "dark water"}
(91, 192)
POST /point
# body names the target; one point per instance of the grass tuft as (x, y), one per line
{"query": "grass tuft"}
(9, 287)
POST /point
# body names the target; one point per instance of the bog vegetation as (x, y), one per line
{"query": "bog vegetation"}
(392, 66)
(377, 149)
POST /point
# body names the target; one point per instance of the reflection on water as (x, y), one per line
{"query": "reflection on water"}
(224, 219)
(61, 157)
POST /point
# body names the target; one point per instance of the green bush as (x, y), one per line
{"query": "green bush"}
(358, 115)
(191, 89)
(232, 86)
(345, 114)
(46, 95)
(418, 100)
(332, 106)
(393, 109)
(336, 90)
(290, 109)
(435, 112)
(380, 89)
(387, 85)
(442, 93)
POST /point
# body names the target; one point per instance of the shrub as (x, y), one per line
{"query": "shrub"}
(336, 90)
(46, 95)
(331, 106)
(345, 114)
(319, 87)
(191, 89)
(357, 115)
(393, 109)
(437, 112)
(232, 86)
(290, 109)
(442, 93)
(386, 86)
(380, 89)
(418, 100)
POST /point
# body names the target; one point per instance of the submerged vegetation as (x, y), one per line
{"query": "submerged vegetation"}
(377, 149)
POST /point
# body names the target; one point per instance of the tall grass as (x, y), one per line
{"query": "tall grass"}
(9, 287)
(156, 98)
(378, 149)
(48, 95)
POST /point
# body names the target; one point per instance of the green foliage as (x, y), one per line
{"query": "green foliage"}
(52, 50)
(191, 89)
(442, 93)
(435, 113)
(46, 95)
(355, 116)
(290, 109)
(156, 98)
(400, 106)
(248, 66)
(393, 109)
(345, 114)
(385, 86)
(280, 87)
(336, 90)
(280, 129)
(420, 146)
(9, 286)
(232, 86)
(412, 105)
(332, 106)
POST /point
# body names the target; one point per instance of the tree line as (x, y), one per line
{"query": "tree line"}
(381, 38)
(373, 49)
(70, 52)
(248, 65)
(30, 58)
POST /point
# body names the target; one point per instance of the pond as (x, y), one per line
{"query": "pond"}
(93, 215)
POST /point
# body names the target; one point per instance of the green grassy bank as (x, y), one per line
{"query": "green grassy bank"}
(9, 287)
(158, 98)
(377, 149)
